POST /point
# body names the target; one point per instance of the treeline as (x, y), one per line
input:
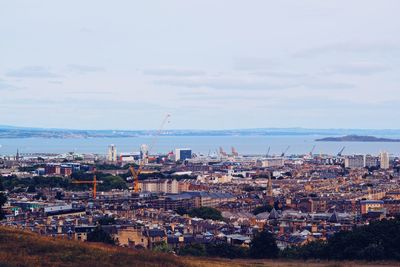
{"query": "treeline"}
(376, 241)
(262, 246)
(202, 212)
(15, 184)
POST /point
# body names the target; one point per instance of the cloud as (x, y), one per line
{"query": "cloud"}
(225, 83)
(85, 30)
(56, 82)
(84, 69)
(166, 71)
(325, 85)
(374, 49)
(357, 68)
(261, 81)
(32, 72)
(278, 74)
(6, 86)
(255, 63)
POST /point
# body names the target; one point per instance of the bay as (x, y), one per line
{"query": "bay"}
(199, 144)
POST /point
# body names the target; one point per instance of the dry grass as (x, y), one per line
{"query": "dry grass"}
(199, 262)
(22, 248)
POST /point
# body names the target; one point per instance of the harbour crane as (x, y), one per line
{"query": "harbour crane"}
(136, 173)
(222, 152)
(312, 150)
(94, 182)
(284, 152)
(341, 151)
(234, 152)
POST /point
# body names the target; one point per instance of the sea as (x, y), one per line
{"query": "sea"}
(206, 145)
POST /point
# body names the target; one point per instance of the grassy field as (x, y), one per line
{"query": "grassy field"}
(22, 248)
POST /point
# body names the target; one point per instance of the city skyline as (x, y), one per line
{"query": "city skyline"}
(211, 65)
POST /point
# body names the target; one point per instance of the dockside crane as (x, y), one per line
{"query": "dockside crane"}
(341, 151)
(136, 173)
(284, 152)
(234, 152)
(222, 152)
(94, 182)
(312, 150)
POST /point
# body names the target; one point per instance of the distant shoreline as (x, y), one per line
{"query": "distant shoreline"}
(357, 138)
(21, 132)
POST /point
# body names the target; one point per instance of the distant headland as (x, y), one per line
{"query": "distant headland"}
(356, 138)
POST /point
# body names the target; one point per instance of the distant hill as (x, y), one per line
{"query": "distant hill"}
(357, 138)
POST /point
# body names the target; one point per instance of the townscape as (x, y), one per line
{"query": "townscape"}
(147, 201)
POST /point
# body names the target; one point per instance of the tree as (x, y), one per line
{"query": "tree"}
(263, 245)
(162, 247)
(59, 195)
(99, 235)
(3, 200)
(193, 250)
(262, 209)
(223, 250)
(181, 211)
(206, 213)
(31, 189)
(376, 241)
(106, 220)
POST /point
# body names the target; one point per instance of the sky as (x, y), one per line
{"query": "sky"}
(224, 64)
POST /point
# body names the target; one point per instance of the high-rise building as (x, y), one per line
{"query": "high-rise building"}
(144, 152)
(112, 153)
(182, 154)
(384, 157)
(371, 161)
(355, 161)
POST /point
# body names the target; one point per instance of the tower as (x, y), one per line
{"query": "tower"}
(269, 186)
(144, 152)
(384, 157)
(112, 153)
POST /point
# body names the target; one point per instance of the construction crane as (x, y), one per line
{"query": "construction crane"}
(284, 152)
(341, 151)
(269, 149)
(136, 173)
(94, 182)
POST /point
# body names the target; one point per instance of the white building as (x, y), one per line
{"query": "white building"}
(159, 186)
(128, 157)
(182, 154)
(112, 153)
(144, 152)
(270, 162)
(355, 161)
(384, 156)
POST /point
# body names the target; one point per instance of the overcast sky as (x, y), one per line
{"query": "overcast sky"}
(211, 64)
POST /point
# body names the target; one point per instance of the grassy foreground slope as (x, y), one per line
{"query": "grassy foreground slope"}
(22, 248)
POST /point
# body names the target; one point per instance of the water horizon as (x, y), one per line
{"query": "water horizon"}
(245, 145)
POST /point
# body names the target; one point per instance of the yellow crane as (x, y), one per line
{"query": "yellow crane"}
(94, 182)
(136, 173)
